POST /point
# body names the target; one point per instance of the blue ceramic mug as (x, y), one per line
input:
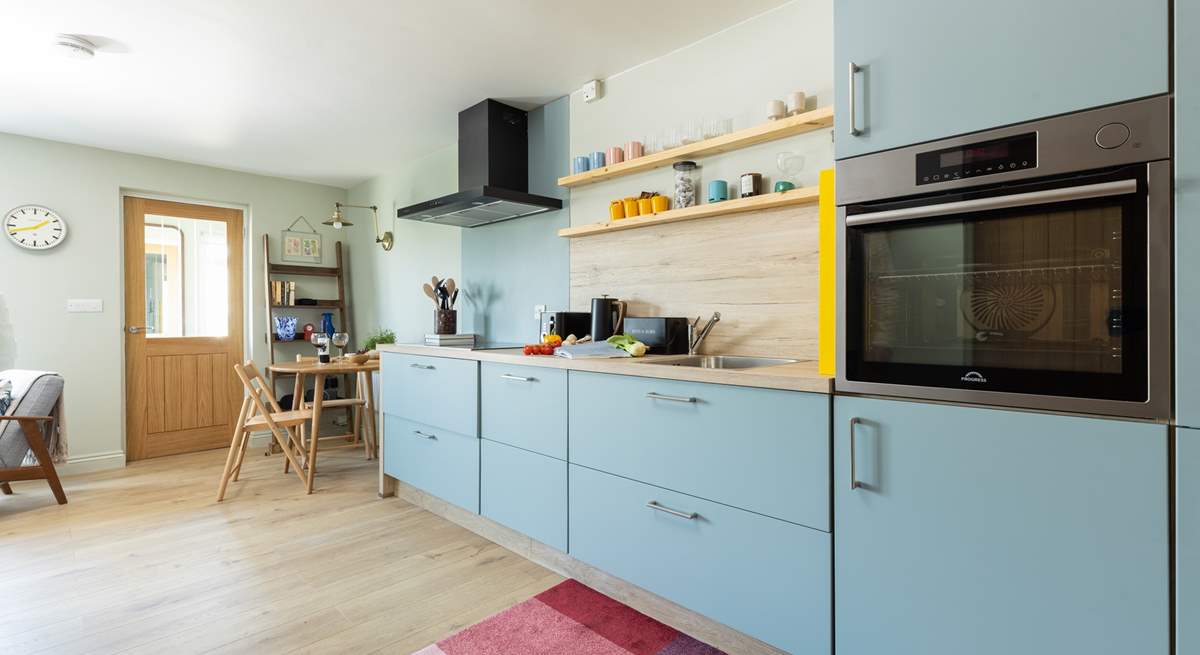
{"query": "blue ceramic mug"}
(285, 328)
(580, 164)
(597, 159)
(718, 190)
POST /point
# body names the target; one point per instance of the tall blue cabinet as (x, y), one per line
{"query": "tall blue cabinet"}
(993, 532)
(1187, 541)
(929, 69)
(1187, 214)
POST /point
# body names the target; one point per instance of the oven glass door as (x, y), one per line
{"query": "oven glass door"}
(1037, 288)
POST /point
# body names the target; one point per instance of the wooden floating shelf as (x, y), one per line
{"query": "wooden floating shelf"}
(802, 196)
(780, 129)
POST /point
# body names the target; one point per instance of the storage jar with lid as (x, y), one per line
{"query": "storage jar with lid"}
(687, 180)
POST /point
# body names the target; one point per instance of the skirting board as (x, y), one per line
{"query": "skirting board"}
(657, 607)
(91, 463)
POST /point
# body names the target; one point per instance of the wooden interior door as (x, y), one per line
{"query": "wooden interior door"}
(183, 325)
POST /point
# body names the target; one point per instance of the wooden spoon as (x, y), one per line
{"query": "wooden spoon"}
(450, 287)
(435, 282)
(429, 292)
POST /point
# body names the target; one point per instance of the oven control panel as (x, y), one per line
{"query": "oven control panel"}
(977, 159)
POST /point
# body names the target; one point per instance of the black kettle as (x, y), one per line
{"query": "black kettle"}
(608, 317)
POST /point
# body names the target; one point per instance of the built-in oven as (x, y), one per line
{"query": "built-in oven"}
(1027, 266)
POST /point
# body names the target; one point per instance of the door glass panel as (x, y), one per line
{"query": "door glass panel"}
(187, 277)
(1035, 289)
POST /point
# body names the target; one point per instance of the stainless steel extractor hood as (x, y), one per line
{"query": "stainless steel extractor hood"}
(493, 172)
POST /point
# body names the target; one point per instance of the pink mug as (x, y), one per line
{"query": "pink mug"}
(634, 149)
(615, 155)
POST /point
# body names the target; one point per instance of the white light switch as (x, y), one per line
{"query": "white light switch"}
(77, 305)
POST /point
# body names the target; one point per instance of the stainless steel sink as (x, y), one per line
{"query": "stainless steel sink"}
(723, 361)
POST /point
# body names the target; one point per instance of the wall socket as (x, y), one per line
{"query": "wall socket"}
(538, 310)
(591, 91)
(85, 305)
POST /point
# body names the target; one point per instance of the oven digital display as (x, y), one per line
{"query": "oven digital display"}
(986, 158)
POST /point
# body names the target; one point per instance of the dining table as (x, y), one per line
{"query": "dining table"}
(310, 367)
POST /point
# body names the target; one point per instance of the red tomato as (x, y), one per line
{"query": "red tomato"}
(528, 350)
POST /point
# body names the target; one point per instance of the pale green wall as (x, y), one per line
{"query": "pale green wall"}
(734, 74)
(85, 185)
(389, 288)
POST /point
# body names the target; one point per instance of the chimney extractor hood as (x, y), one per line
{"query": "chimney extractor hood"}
(493, 172)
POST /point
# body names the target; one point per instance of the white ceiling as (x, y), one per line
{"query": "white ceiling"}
(330, 91)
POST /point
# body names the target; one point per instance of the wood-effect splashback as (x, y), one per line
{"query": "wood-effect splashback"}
(760, 270)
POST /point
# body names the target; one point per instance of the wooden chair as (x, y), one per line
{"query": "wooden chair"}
(44, 470)
(256, 414)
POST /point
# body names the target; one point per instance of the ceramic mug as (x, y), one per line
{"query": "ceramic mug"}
(616, 210)
(718, 190)
(597, 160)
(631, 207)
(580, 164)
(615, 155)
(634, 149)
(645, 207)
(660, 203)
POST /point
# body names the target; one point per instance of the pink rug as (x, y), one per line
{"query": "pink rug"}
(569, 619)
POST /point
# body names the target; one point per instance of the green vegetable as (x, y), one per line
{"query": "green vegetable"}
(628, 344)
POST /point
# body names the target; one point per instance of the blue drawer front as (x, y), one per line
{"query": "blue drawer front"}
(524, 491)
(432, 390)
(439, 461)
(1187, 541)
(525, 406)
(765, 577)
(759, 449)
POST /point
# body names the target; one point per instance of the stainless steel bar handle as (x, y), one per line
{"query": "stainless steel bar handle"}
(516, 378)
(425, 435)
(1100, 190)
(691, 516)
(854, 131)
(427, 367)
(854, 483)
(137, 329)
(674, 399)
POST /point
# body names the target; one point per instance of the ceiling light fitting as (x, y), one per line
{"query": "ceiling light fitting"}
(337, 221)
(75, 47)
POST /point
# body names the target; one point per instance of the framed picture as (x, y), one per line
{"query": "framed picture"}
(301, 247)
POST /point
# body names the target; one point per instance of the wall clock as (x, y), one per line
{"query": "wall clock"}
(35, 227)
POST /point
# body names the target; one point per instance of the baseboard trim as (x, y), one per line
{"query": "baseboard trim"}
(108, 461)
(650, 604)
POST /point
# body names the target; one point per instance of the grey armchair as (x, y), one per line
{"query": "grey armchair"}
(30, 428)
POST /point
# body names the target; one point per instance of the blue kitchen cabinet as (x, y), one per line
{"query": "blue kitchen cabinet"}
(930, 69)
(524, 406)
(767, 578)
(439, 461)
(993, 532)
(525, 491)
(1187, 541)
(1187, 213)
(763, 450)
(437, 391)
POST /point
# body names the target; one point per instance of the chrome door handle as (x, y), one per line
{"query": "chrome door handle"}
(1086, 191)
(691, 516)
(137, 329)
(854, 483)
(516, 378)
(854, 131)
(425, 435)
(427, 367)
(674, 399)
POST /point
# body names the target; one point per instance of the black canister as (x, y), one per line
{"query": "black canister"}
(607, 316)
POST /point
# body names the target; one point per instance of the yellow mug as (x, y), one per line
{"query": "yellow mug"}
(660, 203)
(645, 207)
(616, 210)
(631, 207)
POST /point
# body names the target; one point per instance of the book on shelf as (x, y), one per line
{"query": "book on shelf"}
(283, 292)
(450, 339)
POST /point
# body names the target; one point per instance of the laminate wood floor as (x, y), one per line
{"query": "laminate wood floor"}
(143, 560)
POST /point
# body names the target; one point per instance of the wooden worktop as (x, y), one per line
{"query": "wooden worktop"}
(801, 376)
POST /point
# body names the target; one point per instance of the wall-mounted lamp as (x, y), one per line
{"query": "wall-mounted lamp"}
(337, 222)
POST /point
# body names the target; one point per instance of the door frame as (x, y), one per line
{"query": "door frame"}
(241, 290)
